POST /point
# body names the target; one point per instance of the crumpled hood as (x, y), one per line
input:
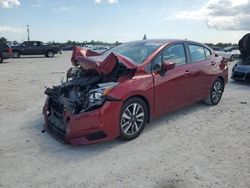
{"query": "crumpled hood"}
(102, 64)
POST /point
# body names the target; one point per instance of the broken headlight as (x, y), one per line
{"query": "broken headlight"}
(97, 96)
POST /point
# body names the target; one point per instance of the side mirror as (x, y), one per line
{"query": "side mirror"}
(168, 65)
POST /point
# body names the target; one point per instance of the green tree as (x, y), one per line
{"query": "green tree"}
(2, 39)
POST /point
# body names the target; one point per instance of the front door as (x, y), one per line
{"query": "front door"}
(172, 89)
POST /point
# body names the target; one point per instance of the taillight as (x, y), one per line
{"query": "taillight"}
(9, 50)
(223, 64)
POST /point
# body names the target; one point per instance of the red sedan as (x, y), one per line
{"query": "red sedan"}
(114, 94)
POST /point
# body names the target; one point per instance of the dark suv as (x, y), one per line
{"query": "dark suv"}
(5, 51)
(35, 48)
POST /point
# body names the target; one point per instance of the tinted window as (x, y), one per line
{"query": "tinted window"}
(27, 44)
(197, 53)
(176, 54)
(157, 62)
(208, 53)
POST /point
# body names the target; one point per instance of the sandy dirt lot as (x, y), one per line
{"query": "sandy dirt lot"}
(199, 146)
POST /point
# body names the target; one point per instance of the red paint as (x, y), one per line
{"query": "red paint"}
(179, 87)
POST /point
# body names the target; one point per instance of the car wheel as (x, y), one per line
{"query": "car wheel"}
(232, 58)
(215, 92)
(1, 58)
(134, 115)
(16, 54)
(50, 54)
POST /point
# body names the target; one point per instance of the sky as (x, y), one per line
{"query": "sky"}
(125, 20)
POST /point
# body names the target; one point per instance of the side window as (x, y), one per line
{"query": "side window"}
(35, 44)
(176, 54)
(208, 53)
(157, 62)
(26, 44)
(197, 53)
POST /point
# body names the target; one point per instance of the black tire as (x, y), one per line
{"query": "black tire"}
(16, 54)
(50, 54)
(132, 122)
(215, 93)
(1, 58)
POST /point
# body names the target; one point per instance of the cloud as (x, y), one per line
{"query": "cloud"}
(9, 3)
(221, 14)
(5, 29)
(108, 1)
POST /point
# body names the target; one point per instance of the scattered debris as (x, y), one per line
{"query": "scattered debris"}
(243, 102)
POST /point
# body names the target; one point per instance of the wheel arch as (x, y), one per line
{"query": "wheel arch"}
(223, 81)
(50, 50)
(145, 100)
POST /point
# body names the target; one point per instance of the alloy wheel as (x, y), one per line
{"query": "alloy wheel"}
(217, 91)
(132, 119)
(50, 54)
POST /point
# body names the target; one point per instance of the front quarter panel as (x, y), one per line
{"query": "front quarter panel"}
(140, 85)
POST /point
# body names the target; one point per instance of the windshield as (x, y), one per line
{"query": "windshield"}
(137, 51)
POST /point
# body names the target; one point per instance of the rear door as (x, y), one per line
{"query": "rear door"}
(35, 48)
(25, 48)
(38, 48)
(172, 89)
(201, 62)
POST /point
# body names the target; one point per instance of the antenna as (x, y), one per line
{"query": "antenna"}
(28, 32)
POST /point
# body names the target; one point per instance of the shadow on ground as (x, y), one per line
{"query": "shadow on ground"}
(59, 150)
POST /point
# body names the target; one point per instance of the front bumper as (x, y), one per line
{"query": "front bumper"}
(86, 128)
(241, 75)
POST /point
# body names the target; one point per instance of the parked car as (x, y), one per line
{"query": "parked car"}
(68, 48)
(5, 51)
(88, 46)
(116, 93)
(241, 70)
(99, 48)
(35, 48)
(233, 52)
(229, 53)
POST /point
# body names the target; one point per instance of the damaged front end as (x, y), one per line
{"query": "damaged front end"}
(86, 88)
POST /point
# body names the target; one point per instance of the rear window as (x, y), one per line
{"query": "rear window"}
(208, 53)
(197, 53)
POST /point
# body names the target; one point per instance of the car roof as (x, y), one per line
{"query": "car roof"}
(166, 41)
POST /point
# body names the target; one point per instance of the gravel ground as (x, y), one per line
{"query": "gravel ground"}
(198, 146)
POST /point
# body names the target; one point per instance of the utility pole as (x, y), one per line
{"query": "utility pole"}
(28, 31)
